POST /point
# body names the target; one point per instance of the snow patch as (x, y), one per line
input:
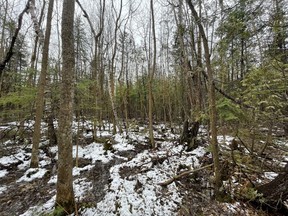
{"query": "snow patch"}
(3, 173)
(41, 210)
(81, 187)
(137, 193)
(53, 180)
(2, 189)
(7, 160)
(270, 175)
(94, 151)
(31, 174)
(77, 170)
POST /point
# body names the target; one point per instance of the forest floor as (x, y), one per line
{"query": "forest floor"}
(125, 180)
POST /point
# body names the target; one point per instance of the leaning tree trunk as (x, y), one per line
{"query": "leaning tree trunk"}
(275, 193)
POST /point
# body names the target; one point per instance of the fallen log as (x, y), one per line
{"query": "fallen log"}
(275, 193)
(177, 177)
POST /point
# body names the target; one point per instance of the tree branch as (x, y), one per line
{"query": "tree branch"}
(13, 41)
(225, 94)
(174, 178)
(96, 35)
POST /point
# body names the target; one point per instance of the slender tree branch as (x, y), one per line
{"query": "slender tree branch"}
(239, 102)
(14, 38)
(96, 35)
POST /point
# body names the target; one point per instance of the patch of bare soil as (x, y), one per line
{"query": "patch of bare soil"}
(20, 196)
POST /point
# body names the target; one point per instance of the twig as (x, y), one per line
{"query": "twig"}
(174, 178)
(244, 145)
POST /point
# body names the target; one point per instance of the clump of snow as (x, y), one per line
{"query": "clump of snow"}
(31, 174)
(104, 133)
(7, 160)
(225, 139)
(77, 170)
(270, 175)
(3, 173)
(21, 157)
(2, 189)
(53, 180)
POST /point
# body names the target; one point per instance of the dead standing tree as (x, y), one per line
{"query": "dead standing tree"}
(191, 81)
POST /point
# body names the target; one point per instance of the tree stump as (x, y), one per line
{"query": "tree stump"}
(189, 134)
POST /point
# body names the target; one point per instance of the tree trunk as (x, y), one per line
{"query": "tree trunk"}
(41, 89)
(212, 102)
(65, 196)
(4, 19)
(150, 84)
(32, 72)
(189, 135)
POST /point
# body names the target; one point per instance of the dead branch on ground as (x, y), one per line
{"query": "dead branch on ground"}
(177, 177)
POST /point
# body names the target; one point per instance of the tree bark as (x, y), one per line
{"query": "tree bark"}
(65, 195)
(189, 134)
(41, 90)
